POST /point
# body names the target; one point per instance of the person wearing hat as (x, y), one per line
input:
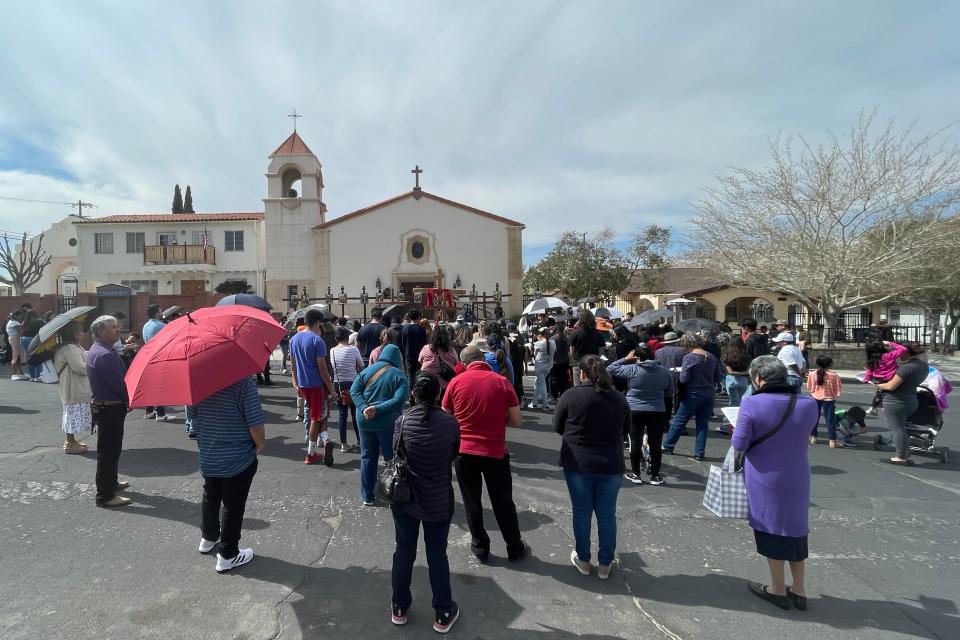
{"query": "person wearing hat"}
(791, 357)
(670, 355)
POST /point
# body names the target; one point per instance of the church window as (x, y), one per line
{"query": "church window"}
(135, 242)
(417, 249)
(233, 241)
(103, 243)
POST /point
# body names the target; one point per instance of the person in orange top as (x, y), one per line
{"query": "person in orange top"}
(825, 386)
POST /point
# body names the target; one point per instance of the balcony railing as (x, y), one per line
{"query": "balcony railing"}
(179, 254)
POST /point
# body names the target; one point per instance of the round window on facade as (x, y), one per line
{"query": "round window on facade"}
(417, 250)
(72, 242)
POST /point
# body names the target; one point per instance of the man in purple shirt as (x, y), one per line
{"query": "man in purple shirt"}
(105, 370)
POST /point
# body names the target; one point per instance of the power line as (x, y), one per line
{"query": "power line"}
(32, 200)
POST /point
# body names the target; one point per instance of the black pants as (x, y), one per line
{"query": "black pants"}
(653, 423)
(435, 535)
(109, 419)
(472, 471)
(160, 411)
(560, 379)
(232, 494)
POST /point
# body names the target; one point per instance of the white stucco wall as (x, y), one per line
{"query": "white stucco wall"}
(463, 243)
(56, 243)
(98, 269)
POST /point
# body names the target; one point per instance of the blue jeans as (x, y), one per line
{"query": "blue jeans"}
(33, 370)
(697, 406)
(794, 381)
(342, 421)
(435, 534)
(594, 493)
(826, 407)
(372, 444)
(540, 386)
(736, 387)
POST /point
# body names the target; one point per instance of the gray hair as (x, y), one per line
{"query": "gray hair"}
(690, 341)
(100, 323)
(767, 368)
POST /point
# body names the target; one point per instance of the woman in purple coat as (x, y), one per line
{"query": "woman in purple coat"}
(777, 476)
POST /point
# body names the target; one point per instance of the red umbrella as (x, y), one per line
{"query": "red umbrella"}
(201, 353)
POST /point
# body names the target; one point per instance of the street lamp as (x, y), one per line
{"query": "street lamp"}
(329, 297)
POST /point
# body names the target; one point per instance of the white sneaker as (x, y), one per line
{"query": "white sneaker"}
(206, 546)
(20, 376)
(603, 571)
(223, 565)
(149, 416)
(583, 567)
(283, 370)
(166, 418)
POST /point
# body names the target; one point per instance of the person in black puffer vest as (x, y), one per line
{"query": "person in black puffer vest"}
(431, 440)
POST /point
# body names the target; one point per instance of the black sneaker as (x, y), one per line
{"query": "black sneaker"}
(445, 619)
(633, 477)
(328, 453)
(514, 556)
(668, 451)
(698, 458)
(656, 480)
(482, 553)
(398, 615)
(192, 435)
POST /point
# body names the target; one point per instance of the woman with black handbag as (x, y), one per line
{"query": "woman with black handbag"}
(426, 439)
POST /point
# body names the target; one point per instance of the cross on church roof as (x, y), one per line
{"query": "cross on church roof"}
(295, 116)
(416, 171)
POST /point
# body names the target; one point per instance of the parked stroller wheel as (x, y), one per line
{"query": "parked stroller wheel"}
(877, 442)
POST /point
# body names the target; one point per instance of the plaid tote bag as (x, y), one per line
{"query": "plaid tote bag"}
(726, 493)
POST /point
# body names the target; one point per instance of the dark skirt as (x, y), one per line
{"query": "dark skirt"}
(777, 547)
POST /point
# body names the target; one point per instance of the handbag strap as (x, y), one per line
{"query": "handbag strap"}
(374, 377)
(783, 421)
(398, 452)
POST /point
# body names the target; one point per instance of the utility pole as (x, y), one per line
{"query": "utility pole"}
(79, 205)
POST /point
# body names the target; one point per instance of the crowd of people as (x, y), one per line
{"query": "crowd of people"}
(445, 393)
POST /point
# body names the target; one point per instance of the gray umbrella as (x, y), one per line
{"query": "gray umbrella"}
(328, 316)
(49, 330)
(651, 316)
(169, 311)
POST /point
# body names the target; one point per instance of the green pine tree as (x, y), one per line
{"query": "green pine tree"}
(177, 200)
(188, 201)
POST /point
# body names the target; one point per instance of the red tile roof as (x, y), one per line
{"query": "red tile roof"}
(174, 217)
(293, 146)
(424, 194)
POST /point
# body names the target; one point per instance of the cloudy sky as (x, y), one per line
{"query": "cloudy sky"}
(564, 115)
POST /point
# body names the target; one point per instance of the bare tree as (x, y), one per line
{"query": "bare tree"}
(24, 264)
(936, 289)
(839, 225)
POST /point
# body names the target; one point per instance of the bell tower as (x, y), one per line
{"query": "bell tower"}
(293, 206)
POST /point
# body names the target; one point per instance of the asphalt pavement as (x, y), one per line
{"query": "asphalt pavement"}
(884, 546)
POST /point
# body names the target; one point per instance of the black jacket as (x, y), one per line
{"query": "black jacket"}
(431, 440)
(592, 424)
(368, 339)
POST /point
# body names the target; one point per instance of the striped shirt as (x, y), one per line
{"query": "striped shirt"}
(223, 423)
(347, 363)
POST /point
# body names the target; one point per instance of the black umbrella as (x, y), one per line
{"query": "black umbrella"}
(696, 324)
(247, 300)
(324, 310)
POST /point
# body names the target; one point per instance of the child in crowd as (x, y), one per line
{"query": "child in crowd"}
(851, 422)
(881, 367)
(825, 387)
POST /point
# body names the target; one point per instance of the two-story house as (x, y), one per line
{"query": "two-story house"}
(184, 253)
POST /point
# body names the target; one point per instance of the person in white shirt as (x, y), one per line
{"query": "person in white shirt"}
(347, 363)
(544, 349)
(791, 356)
(18, 356)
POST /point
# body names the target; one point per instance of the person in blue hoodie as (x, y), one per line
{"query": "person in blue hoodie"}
(649, 383)
(378, 393)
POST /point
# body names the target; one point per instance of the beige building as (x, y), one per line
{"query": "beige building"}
(415, 239)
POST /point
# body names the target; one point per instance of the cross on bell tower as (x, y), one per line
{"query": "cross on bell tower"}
(295, 116)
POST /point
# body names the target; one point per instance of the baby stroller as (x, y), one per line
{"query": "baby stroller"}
(922, 427)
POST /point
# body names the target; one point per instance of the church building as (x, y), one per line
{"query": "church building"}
(412, 240)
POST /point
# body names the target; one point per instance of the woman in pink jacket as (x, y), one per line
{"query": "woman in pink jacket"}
(882, 360)
(439, 350)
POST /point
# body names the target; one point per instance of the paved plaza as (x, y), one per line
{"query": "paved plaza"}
(884, 546)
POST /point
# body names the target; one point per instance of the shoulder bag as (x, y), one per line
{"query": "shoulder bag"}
(726, 492)
(393, 483)
(345, 398)
(446, 371)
